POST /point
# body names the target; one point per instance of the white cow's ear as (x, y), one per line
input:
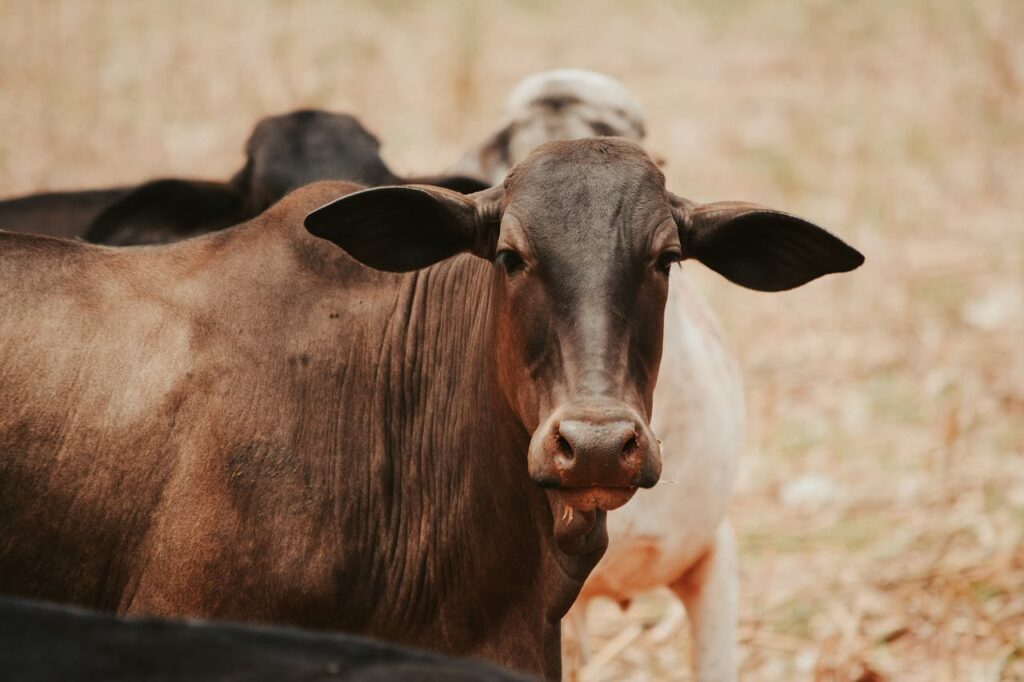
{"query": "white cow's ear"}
(399, 229)
(758, 247)
(489, 160)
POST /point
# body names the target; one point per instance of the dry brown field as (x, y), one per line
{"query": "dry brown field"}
(880, 506)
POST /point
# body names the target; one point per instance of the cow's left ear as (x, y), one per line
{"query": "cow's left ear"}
(758, 247)
(399, 229)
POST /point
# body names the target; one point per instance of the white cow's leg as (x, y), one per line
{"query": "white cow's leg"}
(711, 595)
(670, 622)
(575, 649)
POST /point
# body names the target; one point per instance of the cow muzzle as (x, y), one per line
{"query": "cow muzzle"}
(594, 457)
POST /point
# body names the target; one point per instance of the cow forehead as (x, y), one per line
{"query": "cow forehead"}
(592, 172)
(584, 157)
(593, 198)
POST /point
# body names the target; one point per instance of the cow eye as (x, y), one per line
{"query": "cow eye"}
(667, 258)
(510, 260)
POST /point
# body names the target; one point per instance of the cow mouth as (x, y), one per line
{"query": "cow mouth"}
(586, 499)
(577, 533)
(579, 517)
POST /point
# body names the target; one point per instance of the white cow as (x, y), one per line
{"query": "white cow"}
(565, 104)
(675, 535)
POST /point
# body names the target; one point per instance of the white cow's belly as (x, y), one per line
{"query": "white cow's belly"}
(699, 417)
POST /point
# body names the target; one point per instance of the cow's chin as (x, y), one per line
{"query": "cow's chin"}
(578, 515)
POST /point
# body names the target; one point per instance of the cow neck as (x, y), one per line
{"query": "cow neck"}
(443, 342)
(447, 499)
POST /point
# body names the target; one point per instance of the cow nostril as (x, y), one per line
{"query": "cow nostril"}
(630, 445)
(563, 446)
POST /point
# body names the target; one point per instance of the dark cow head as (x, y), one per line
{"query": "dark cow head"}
(295, 149)
(582, 237)
(284, 152)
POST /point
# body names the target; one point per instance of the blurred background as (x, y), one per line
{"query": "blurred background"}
(880, 507)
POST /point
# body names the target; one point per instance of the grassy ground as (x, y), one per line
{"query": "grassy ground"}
(880, 506)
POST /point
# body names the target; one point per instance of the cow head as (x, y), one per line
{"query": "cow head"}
(581, 237)
(300, 147)
(563, 104)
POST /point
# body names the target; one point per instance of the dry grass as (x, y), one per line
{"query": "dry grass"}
(881, 504)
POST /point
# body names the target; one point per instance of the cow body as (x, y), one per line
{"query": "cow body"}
(323, 494)
(48, 643)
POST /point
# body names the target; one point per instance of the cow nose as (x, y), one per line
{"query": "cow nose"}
(602, 442)
(595, 448)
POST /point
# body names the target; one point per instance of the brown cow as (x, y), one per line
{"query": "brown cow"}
(254, 425)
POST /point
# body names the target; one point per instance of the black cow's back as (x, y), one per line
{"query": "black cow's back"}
(41, 643)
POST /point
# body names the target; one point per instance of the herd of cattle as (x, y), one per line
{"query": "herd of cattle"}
(400, 412)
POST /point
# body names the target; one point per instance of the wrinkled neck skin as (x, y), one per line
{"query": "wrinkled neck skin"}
(449, 468)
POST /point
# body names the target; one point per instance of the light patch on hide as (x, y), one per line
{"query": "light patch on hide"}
(112, 358)
(146, 372)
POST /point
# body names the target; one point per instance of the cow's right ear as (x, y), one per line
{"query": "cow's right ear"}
(758, 247)
(399, 229)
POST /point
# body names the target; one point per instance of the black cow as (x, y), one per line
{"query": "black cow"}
(283, 152)
(42, 642)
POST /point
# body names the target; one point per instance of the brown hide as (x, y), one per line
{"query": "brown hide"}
(251, 426)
